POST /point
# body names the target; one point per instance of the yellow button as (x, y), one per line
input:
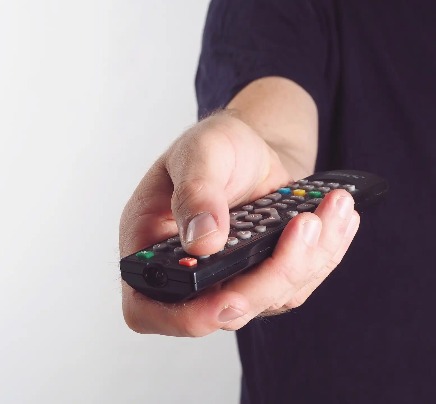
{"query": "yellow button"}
(299, 192)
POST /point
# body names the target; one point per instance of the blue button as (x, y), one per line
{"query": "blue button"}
(284, 191)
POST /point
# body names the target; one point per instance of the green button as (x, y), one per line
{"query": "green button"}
(316, 194)
(145, 255)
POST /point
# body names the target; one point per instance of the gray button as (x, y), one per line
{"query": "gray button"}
(260, 229)
(160, 247)
(253, 217)
(315, 201)
(242, 225)
(332, 185)
(248, 208)
(243, 235)
(238, 214)
(324, 189)
(308, 187)
(318, 183)
(270, 221)
(297, 198)
(231, 241)
(276, 196)
(290, 201)
(263, 202)
(349, 187)
(234, 222)
(306, 207)
(174, 240)
(179, 250)
(292, 213)
(279, 206)
(273, 218)
(303, 182)
(295, 185)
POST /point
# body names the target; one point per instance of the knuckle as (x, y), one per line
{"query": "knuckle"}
(185, 191)
(297, 300)
(190, 328)
(332, 263)
(275, 307)
(290, 275)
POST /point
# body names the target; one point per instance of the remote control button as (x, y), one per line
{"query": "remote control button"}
(270, 221)
(263, 202)
(333, 185)
(174, 240)
(318, 183)
(284, 191)
(295, 185)
(242, 225)
(299, 192)
(297, 198)
(324, 189)
(179, 250)
(276, 196)
(160, 247)
(279, 206)
(291, 201)
(238, 214)
(315, 201)
(253, 217)
(248, 208)
(203, 257)
(316, 194)
(273, 218)
(231, 241)
(145, 255)
(234, 222)
(260, 229)
(349, 187)
(292, 213)
(243, 235)
(306, 207)
(303, 182)
(308, 187)
(188, 262)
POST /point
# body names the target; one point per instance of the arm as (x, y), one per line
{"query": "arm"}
(203, 173)
(285, 116)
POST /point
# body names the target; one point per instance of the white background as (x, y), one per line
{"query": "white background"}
(91, 91)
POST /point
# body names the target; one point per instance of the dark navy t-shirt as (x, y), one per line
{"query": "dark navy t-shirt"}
(367, 334)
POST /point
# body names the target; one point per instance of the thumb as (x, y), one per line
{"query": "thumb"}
(201, 211)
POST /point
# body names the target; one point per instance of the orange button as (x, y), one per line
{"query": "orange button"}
(299, 192)
(188, 261)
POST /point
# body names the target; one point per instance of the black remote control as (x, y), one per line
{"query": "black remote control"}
(167, 273)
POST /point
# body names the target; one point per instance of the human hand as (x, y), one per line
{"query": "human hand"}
(218, 163)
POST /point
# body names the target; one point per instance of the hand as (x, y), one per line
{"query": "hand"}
(218, 163)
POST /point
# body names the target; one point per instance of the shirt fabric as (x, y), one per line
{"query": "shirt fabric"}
(367, 334)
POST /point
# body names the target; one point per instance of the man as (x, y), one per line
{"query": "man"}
(308, 85)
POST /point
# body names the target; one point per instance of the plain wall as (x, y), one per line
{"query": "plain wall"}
(91, 92)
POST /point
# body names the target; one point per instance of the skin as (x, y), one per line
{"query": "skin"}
(267, 135)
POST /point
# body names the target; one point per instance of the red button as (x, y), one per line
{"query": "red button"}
(188, 261)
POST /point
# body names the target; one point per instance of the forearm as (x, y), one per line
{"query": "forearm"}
(285, 116)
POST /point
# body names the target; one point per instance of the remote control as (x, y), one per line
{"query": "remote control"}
(165, 272)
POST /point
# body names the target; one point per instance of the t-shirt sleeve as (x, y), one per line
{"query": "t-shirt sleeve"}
(245, 40)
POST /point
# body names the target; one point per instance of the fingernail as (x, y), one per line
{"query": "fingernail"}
(200, 226)
(344, 206)
(351, 226)
(229, 314)
(311, 230)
